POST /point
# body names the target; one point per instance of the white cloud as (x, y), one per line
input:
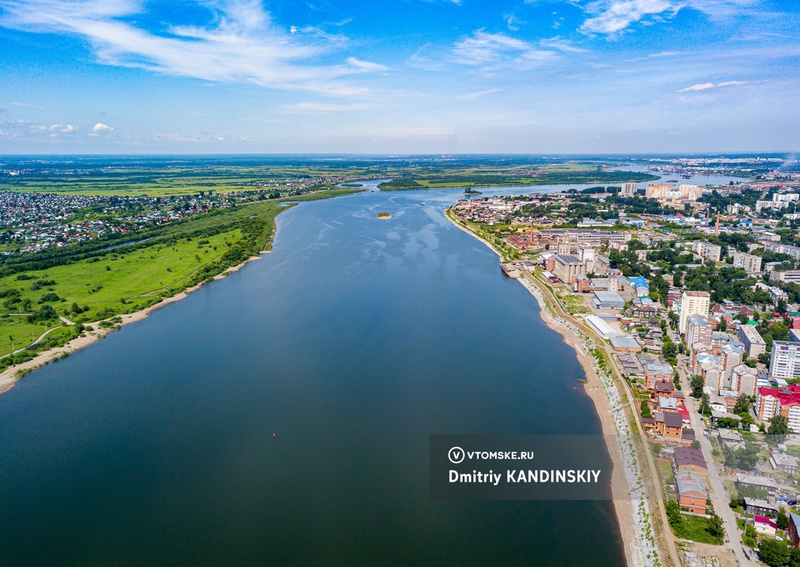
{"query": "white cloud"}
(30, 129)
(610, 17)
(25, 104)
(101, 128)
(479, 94)
(561, 45)
(706, 86)
(241, 45)
(512, 21)
(62, 128)
(698, 87)
(489, 50)
(366, 65)
(304, 107)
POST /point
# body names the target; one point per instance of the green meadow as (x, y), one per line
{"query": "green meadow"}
(91, 285)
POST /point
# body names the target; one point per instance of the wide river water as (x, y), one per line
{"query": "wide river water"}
(352, 341)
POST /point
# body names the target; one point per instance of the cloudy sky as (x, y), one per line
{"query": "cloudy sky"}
(399, 76)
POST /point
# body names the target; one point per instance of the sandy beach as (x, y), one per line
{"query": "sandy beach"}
(10, 376)
(629, 493)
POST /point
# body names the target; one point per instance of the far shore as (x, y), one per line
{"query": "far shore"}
(10, 376)
(612, 419)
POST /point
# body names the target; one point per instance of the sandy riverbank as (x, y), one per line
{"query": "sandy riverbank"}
(629, 494)
(9, 377)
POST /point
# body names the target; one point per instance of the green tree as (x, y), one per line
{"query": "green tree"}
(705, 405)
(674, 514)
(742, 404)
(697, 386)
(669, 349)
(715, 526)
(646, 409)
(778, 428)
(794, 557)
(773, 552)
(782, 520)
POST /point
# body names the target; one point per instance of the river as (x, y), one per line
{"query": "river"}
(351, 342)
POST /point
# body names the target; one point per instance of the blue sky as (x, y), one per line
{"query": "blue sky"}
(399, 76)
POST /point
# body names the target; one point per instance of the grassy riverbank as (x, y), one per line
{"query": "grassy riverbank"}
(70, 288)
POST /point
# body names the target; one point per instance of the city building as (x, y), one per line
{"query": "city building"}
(668, 424)
(788, 249)
(786, 402)
(657, 372)
(628, 190)
(785, 360)
(744, 379)
(687, 459)
(789, 276)
(794, 529)
(707, 250)
(749, 262)
(691, 492)
(752, 340)
(666, 192)
(765, 526)
(782, 462)
(565, 267)
(608, 300)
(699, 329)
(693, 303)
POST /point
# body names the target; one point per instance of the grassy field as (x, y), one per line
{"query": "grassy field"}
(487, 178)
(695, 528)
(575, 303)
(22, 332)
(91, 283)
(101, 287)
(163, 180)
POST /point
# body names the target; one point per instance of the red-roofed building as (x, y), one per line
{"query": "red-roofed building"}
(786, 402)
(765, 526)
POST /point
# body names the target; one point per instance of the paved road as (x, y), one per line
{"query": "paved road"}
(717, 492)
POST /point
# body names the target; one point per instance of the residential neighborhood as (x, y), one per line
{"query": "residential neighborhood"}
(695, 291)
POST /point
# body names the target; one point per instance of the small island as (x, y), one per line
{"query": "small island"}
(383, 215)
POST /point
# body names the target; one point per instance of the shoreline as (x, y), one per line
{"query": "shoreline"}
(9, 377)
(628, 492)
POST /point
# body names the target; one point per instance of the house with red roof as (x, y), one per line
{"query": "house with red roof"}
(765, 526)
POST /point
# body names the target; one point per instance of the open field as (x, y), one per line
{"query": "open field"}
(509, 178)
(90, 283)
(161, 178)
(575, 303)
(695, 528)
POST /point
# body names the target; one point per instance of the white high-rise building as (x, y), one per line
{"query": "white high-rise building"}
(785, 360)
(693, 303)
(628, 190)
